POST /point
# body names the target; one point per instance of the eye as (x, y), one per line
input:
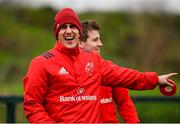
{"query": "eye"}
(72, 26)
(63, 27)
(95, 39)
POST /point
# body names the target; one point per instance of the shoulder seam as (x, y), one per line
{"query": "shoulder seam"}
(47, 55)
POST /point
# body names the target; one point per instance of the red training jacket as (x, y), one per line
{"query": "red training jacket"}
(117, 97)
(63, 85)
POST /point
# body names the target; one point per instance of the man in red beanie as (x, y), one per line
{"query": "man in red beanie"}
(112, 98)
(63, 84)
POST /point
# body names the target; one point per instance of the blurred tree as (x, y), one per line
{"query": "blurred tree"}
(142, 41)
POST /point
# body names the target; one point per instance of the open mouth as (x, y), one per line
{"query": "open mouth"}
(69, 39)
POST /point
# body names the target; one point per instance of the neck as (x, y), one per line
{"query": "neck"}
(70, 51)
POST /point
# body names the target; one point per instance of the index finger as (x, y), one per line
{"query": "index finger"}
(171, 74)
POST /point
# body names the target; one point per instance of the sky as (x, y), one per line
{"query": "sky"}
(171, 6)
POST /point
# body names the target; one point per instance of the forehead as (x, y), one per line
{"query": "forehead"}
(93, 33)
(67, 25)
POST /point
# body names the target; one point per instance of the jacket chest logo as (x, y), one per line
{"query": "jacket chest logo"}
(89, 68)
(63, 71)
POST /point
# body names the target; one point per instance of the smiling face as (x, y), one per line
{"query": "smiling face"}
(69, 35)
(93, 41)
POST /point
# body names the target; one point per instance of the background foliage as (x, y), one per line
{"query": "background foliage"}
(147, 42)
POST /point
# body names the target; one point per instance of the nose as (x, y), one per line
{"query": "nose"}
(100, 43)
(68, 29)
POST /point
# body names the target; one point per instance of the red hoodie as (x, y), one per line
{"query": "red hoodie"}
(63, 85)
(117, 98)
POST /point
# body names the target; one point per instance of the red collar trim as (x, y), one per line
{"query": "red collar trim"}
(70, 51)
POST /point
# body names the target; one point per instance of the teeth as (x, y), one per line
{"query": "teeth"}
(69, 38)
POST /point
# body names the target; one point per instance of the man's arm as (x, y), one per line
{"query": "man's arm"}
(114, 75)
(35, 87)
(125, 106)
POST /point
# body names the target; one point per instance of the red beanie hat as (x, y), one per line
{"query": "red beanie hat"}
(66, 16)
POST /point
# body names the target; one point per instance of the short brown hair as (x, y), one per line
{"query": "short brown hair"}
(87, 26)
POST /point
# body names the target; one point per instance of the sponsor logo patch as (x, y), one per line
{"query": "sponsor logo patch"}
(80, 91)
(63, 71)
(105, 100)
(77, 98)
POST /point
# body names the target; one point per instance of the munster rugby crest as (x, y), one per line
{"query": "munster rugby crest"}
(89, 68)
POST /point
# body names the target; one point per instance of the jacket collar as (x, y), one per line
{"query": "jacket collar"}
(69, 51)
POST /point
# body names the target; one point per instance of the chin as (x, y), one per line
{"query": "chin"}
(71, 46)
(98, 51)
